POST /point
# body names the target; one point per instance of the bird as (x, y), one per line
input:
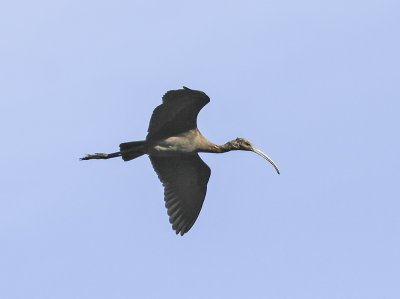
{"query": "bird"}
(173, 142)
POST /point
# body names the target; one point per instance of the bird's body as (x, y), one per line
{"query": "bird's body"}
(186, 143)
(173, 143)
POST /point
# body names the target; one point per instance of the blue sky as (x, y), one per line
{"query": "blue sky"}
(314, 84)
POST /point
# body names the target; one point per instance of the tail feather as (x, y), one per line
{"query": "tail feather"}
(132, 150)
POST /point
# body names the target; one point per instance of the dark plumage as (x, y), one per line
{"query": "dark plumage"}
(173, 143)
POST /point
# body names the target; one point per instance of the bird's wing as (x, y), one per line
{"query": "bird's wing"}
(185, 181)
(177, 114)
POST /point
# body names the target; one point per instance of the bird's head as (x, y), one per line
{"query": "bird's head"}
(240, 144)
(245, 145)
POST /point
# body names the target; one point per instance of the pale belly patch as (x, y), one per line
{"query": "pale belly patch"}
(172, 146)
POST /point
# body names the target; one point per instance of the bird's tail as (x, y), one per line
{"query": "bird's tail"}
(132, 150)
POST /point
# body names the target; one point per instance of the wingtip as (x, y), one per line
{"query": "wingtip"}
(179, 231)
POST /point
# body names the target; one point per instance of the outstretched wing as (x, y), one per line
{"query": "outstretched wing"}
(177, 114)
(185, 181)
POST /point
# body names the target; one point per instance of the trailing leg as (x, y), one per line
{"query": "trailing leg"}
(101, 156)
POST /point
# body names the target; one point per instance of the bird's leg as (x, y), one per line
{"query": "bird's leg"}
(101, 156)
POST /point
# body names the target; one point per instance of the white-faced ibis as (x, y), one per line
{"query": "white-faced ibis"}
(173, 143)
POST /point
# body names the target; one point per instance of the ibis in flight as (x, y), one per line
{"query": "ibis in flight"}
(173, 142)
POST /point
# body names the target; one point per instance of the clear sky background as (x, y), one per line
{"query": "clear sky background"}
(314, 84)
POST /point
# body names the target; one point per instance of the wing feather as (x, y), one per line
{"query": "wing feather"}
(185, 181)
(177, 114)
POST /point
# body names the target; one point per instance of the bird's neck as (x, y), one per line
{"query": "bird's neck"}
(215, 148)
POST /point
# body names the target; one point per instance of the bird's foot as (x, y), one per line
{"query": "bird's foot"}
(95, 156)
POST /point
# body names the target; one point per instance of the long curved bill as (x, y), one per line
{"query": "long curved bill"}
(258, 152)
